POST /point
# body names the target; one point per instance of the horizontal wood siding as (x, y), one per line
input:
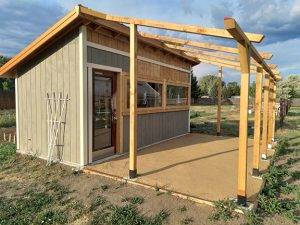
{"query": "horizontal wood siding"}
(157, 127)
(54, 70)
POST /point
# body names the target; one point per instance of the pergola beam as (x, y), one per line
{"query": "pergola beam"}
(198, 44)
(234, 29)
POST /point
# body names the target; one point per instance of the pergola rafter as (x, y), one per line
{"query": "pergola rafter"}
(216, 54)
(199, 44)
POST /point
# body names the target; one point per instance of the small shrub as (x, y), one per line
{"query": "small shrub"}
(134, 200)
(127, 215)
(159, 218)
(104, 187)
(282, 146)
(98, 201)
(182, 209)
(7, 118)
(275, 180)
(224, 210)
(7, 152)
(60, 191)
(251, 218)
(51, 217)
(187, 220)
(194, 114)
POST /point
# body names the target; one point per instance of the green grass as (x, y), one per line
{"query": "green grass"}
(127, 215)
(7, 152)
(204, 120)
(7, 118)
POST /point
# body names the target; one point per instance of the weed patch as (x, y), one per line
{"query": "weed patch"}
(271, 200)
(127, 215)
(7, 152)
(224, 211)
(98, 201)
(251, 218)
(134, 200)
(182, 209)
(7, 118)
(187, 220)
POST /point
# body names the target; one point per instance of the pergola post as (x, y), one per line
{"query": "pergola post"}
(274, 114)
(266, 88)
(133, 103)
(272, 121)
(257, 122)
(219, 101)
(270, 116)
(243, 126)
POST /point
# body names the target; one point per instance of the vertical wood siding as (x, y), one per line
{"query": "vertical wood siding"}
(54, 70)
(157, 127)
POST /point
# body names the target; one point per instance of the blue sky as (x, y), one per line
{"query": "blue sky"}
(21, 21)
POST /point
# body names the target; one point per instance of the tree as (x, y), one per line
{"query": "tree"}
(3, 60)
(194, 86)
(289, 88)
(252, 89)
(208, 85)
(6, 84)
(232, 89)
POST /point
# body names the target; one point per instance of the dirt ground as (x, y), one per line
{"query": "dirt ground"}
(7, 131)
(27, 172)
(75, 193)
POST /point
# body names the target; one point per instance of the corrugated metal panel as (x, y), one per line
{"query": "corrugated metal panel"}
(157, 127)
(106, 58)
(54, 70)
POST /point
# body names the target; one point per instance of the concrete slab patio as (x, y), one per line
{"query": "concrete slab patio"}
(197, 165)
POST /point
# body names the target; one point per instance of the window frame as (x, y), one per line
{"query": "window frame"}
(164, 107)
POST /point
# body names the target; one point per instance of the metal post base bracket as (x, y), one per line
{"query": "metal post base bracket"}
(255, 172)
(242, 200)
(132, 174)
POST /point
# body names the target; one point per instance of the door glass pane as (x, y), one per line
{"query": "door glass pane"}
(102, 112)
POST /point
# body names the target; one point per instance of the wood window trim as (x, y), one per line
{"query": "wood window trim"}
(164, 107)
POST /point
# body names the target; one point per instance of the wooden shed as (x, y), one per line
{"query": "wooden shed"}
(72, 91)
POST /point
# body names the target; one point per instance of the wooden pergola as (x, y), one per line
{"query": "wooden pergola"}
(245, 58)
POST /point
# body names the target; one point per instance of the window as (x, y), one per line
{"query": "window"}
(148, 94)
(177, 95)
